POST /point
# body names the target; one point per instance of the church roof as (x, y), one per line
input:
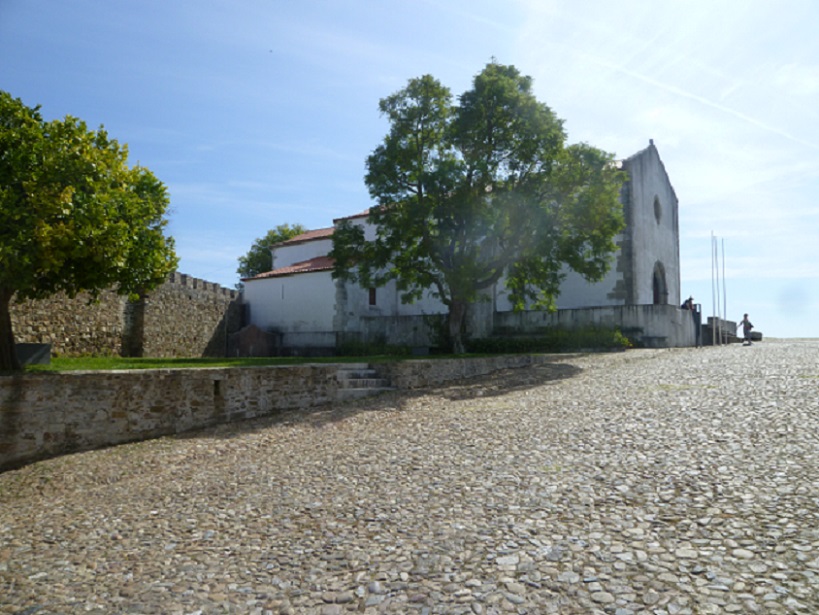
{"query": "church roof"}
(322, 233)
(362, 214)
(318, 263)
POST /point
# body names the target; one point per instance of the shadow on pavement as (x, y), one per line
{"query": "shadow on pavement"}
(490, 385)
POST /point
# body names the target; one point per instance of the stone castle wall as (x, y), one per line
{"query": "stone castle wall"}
(190, 317)
(184, 317)
(73, 327)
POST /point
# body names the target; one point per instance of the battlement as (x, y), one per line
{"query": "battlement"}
(184, 316)
(187, 281)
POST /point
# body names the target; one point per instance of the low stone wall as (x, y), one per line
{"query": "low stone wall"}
(419, 374)
(662, 326)
(44, 415)
(48, 414)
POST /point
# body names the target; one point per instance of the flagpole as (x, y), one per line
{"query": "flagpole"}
(724, 289)
(713, 297)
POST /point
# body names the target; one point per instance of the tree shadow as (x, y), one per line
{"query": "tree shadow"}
(496, 384)
(506, 381)
(38, 476)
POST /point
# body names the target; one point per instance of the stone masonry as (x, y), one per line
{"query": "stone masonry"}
(185, 316)
(650, 482)
(47, 414)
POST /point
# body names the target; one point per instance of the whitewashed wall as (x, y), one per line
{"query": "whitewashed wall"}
(356, 300)
(575, 291)
(653, 241)
(296, 303)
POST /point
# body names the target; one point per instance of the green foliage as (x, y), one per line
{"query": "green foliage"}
(73, 215)
(471, 192)
(108, 363)
(258, 259)
(554, 339)
(438, 331)
(372, 349)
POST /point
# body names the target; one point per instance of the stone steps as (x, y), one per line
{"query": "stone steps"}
(358, 380)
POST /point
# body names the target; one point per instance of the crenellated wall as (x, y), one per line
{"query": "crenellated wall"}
(190, 317)
(185, 316)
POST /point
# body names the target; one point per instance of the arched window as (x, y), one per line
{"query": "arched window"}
(658, 209)
(658, 285)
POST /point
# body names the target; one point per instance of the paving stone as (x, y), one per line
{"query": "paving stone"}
(651, 481)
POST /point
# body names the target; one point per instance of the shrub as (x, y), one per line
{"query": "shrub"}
(371, 349)
(554, 339)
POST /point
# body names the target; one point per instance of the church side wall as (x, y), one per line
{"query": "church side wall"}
(576, 291)
(302, 303)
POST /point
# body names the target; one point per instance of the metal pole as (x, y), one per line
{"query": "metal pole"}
(714, 310)
(724, 289)
(720, 285)
(713, 297)
(716, 296)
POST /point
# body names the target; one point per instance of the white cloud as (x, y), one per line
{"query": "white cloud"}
(797, 80)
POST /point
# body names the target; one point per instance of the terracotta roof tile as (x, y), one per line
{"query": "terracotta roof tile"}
(322, 233)
(362, 214)
(319, 263)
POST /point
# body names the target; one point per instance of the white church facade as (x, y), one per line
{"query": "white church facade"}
(300, 302)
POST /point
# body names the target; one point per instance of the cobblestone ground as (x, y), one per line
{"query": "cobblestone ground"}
(648, 482)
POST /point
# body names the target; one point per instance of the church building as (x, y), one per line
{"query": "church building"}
(302, 304)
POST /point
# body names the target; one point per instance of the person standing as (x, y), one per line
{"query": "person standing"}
(746, 325)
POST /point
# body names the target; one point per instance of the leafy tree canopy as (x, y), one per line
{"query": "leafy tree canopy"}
(258, 259)
(479, 190)
(73, 215)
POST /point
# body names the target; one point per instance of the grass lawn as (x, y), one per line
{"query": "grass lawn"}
(66, 364)
(73, 364)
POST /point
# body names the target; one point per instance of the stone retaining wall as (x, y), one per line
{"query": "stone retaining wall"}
(661, 326)
(185, 317)
(419, 374)
(48, 414)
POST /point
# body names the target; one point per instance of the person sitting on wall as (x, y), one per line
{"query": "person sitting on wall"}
(689, 305)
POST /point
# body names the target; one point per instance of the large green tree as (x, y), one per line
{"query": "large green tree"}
(259, 259)
(484, 189)
(74, 216)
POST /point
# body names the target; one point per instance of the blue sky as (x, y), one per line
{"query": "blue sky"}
(256, 113)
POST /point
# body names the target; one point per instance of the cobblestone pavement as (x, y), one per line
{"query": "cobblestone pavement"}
(648, 482)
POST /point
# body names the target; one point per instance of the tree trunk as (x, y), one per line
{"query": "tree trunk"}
(457, 313)
(8, 354)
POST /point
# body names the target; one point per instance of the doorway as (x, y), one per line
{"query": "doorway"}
(658, 284)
